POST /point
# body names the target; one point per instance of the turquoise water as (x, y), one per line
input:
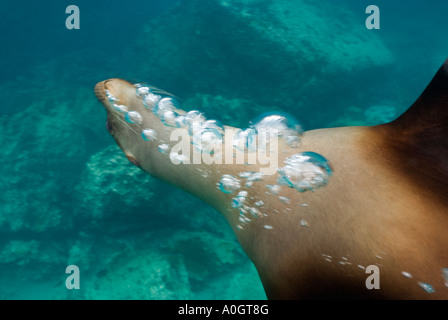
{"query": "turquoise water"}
(70, 197)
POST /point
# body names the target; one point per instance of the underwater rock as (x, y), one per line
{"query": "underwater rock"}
(43, 148)
(114, 195)
(177, 265)
(109, 181)
(145, 274)
(48, 129)
(20, 252)
(213, 263)
(295, 55)
(29, 261)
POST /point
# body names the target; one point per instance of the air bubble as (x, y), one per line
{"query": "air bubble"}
(207, 135)
(180, 121)
(211, 125)
(229, 184)
(207, 140)
(273, 188)
(245, 140)
(177, 158)
(245, 175)
(191, 117)
(253, 177)
(204, 173)
(121, 108)
(285, 200)
(283, 124)
(134, 117)
(268, 227)
(142, 90)
(259, 203)
(445, 275)
(165, 104)
(305, 171)
(243, 194)
(151, 100)
(238, 201)
(406, 274)
(241, 219)
(427, 287)
(304, 223)
(112, 99)
(164, 148)
(149, 134)
(168, 118)
(255, 212)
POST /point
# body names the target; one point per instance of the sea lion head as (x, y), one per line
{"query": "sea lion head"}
(130, 119)
(113, 94)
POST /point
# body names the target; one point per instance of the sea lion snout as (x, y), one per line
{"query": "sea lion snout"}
(113, 92)
(100, 91)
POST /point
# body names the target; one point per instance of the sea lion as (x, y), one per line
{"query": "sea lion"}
(385, 203)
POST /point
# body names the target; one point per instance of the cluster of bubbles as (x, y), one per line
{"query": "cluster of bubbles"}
(238, 201)
(426, 286)
(207, 135)
(229, 184)
(232, 185)
(306, 171)
(282, 124)
(302, 171)
(251, 177)
(429, 288)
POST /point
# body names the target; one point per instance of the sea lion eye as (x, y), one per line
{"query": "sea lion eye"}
(109, 126)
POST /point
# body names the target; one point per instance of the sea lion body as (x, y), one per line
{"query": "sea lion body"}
(385, 205)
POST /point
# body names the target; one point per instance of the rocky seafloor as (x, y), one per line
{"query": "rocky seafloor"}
(68, 194)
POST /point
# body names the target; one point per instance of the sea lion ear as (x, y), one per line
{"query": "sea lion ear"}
(429, 114)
